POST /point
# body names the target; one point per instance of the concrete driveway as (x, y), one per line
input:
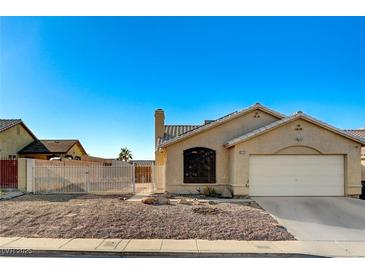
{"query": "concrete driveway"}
(318, 218)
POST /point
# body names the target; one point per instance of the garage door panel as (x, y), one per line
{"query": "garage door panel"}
(296, 175)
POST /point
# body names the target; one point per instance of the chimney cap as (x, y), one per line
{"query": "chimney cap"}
(159, 109)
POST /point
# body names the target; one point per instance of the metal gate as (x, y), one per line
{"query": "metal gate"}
(8, 173)
(121, 179)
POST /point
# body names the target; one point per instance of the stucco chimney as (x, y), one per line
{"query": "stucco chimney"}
(159, 124)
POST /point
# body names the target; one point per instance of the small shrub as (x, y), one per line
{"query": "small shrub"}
(210, 191)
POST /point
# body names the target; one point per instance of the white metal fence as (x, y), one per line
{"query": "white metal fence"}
(81, 179)
(125, 179)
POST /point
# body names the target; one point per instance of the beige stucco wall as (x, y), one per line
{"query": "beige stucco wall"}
(11, 142)
(283, 140)
(160, 158)
(22, 174)
(363, 164)
(214, 139)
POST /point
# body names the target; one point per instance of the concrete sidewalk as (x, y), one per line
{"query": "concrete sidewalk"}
(314, 248)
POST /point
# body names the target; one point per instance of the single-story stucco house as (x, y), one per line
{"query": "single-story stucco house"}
(47, 149)
(259, 152)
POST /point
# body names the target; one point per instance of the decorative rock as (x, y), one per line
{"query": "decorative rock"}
(163, 201)
(226, 193)
(167, 195)
(206, 210)
(150, 201)
(185, 201)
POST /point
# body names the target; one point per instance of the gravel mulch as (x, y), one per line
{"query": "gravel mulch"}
(91, 216)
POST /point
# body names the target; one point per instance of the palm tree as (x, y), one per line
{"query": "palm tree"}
(125, 154)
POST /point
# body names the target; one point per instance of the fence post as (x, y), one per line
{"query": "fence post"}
(87, 179)
(133, 178)
(153, 179)
(30, 175)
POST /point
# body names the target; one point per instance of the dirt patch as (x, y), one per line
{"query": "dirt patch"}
(91, 216)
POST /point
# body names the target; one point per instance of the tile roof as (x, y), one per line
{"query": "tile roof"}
(172, 131)
(48, 146)
(360, 133)
(8, 123)
(288, 119)
(212, 123)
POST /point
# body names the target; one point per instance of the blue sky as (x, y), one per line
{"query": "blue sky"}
(99, 79)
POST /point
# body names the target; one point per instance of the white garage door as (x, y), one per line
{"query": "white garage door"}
(296, 175)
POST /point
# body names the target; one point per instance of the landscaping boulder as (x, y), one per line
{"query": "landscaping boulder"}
(167, 195)
(163, 201)
(150, 200)
(156, 201)
(226, 193)
(185, 201)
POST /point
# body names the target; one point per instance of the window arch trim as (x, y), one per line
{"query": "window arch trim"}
(199, 165)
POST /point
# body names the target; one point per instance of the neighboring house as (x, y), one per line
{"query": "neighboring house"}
(14, 135)
(47, 149)
(361, 134)
(259, 152)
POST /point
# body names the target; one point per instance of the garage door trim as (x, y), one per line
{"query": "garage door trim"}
(297, 175)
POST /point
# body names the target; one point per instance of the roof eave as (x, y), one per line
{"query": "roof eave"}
(28, 130)
(43, 153)
(219, 122)
(294, 118)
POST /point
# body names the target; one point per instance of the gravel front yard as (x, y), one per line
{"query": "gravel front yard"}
(90, 216)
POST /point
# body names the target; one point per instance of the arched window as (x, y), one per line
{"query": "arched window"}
(199, 165)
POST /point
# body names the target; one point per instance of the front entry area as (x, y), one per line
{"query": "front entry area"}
(296, 175)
